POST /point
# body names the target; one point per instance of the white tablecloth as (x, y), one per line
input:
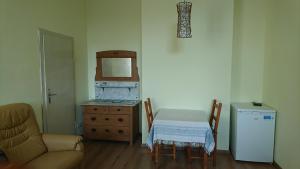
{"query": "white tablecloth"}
(182, 127)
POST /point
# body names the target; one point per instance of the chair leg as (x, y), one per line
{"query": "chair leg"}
(156, 152)
(205, 161)
(214, 156)
(153, 155)
(159, 148)
(189, 153)
(174, 151)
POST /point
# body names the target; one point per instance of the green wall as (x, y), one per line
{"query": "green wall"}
(112, 27)
(188, 73)
(282, 78)
(20, 58)
(248, 50)
(169, 64)
(265, 66)
(259, 62)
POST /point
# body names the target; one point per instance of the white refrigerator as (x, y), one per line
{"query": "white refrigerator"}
(252, 132)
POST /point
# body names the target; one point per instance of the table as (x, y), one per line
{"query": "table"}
(182, 127)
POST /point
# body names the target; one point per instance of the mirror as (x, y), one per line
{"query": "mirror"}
(116, 67)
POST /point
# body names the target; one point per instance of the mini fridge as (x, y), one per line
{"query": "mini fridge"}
(252, 132)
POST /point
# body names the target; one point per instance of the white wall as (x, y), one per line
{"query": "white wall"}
(188, 73)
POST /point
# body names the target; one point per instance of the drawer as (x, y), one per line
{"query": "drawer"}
(92, 119)
(121, 120)
(95, 109)
(107, 132)
(106, 119)
(120, 131)
(119, 110)
(95, 132)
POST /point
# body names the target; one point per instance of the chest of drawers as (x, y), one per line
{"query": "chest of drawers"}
(117, 123)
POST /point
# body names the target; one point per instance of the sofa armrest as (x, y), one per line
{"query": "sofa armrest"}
(56, 142)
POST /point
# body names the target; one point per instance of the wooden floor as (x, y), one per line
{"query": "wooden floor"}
(119, 155)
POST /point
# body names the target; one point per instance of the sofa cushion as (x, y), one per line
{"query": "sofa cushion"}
(57, 160)
(20, 138)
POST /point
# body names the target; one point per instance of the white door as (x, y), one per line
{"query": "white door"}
(57, 83)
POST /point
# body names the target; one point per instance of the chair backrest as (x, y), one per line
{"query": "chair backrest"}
(150, 106)
(20, 137)
(215, 116)
(149, 113)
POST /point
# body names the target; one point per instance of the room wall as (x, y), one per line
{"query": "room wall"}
(188, 73)
(176, 73)
(248, 50)
(1, 34)
(282, 80)
(20, 58)
(112, 27)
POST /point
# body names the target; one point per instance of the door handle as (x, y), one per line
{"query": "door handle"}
(50, 95)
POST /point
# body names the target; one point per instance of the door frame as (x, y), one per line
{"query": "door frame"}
(43, 79)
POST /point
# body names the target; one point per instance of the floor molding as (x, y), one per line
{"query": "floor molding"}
(276, 165)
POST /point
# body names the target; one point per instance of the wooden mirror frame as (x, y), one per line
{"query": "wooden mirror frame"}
(116, 54)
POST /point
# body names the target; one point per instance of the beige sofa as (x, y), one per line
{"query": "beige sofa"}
(24, 145)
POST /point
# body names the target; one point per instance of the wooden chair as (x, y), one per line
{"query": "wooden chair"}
(149, 113)
(159, 147)
(214, 124)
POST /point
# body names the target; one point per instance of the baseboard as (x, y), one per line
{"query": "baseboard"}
(276, 165)
(223, 152)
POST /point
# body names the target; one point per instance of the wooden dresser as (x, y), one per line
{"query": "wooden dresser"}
(111, 122)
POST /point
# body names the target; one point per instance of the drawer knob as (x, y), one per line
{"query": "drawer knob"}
(93, 118)
(120, 120)
(93, 130)
(120, 131)
(106, 130)
(106, 119)
(95, 109)
(118, 109)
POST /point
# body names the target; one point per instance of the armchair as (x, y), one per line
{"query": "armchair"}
(24, 145)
